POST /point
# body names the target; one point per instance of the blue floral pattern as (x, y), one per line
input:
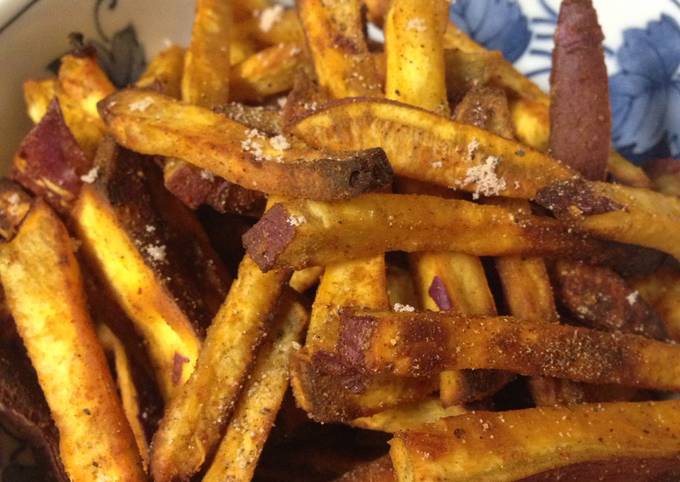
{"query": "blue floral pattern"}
(645, 94)
(496, 24)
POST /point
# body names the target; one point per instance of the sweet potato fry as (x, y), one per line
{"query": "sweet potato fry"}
(260, 400)
(126, 388)
(580, 117)
(154, 257)
(618, 441)
(431, 148)
(23, 409)
(195, 419)
(50, 162)
(335, 38)
(268, 72)
(408, 417)
(618, 213)
(380, 470)
(601, 299)
(328, 394)
(298, 234)
(207, 63)
(38, 95)
(62, 344)
(153, 124)
(164, 72)
(661, 289)
(82, 83)
(415, 53)
(422, 344)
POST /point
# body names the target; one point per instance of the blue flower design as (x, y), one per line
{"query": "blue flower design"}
(496, 24)
(645, 94)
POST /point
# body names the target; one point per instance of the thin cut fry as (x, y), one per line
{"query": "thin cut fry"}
(194, 420)
(126, 389)
(38, 94)
(63, 347)
(298, 234)
(268, 72)
(164, 73)
(415, 53)
(207, 63)
(408, 417)
(618, 441)
(423, 344)
(336, 40)
(431, 148)
(260, 400)
(154, 124)
(618, 213)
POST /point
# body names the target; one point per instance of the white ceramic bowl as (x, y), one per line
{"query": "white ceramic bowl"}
(642, 40)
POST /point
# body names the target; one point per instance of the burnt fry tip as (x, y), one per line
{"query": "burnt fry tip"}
(574, 197)
(270, 236)
(15, 203)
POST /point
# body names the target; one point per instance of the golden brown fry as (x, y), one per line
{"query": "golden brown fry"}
(380, 470)
(618, 441)
(62, 344)
(661, 289)
(154, 124)
(274, 25)
(415, 53)
(303, 280)
(618, 213)
(335, 37)
(82, 84)
(408, 417)
(260, 400)
(207, 63)
(423, 344)
(431, 148)
(301, 233)
(268, 72)
(164, 72)
(38, 94)
(194, 420)
(154, 257)
(126, 389)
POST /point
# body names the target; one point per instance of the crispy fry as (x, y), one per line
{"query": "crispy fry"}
(64, 350)
(661, 289)
(618, 213)
(268, 72)
(164, 72)
(580, 117)
(622, 441)
(245, 157)
(298, 234)
(380, 470)
(207, 63)
(423, 344)
(336, 41)
(126, 388)
(194, 420)
(50, 162)
(82, 83)
(408, 417)
(415, 53)
(601, 299)
(154, 257)
(303, 280)
(38, 95)
(431, 148)
(260, 400)
(333, 396)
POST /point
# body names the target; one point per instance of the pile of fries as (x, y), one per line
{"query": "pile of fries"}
(291, 252)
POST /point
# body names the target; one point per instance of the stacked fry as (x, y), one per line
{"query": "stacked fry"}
(290, 252)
